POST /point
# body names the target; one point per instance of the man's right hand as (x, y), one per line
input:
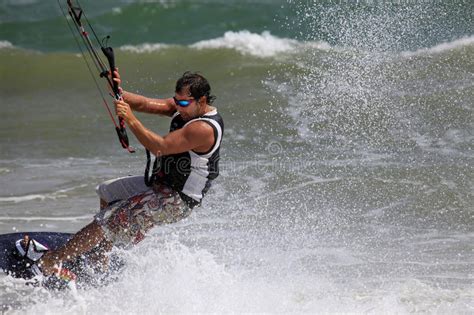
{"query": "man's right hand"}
(117, 79)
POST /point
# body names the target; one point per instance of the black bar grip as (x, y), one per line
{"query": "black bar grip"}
(109, 54)
(123, 138)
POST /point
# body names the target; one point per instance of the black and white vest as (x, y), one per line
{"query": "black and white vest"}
(191, 173)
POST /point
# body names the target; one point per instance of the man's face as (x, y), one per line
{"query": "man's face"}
(190, 111)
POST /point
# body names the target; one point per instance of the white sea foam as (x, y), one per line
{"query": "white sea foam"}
(5, 44)
(262, 45)
(245, 42)
(16, 199)
(440, 48)
(144, 48)
(46, 218)
(170, 277)
(268, 45)
(61, 193)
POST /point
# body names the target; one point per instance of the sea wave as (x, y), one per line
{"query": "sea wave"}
(441, 48)
(5, 44)
(46, 218)
(61, 193)
(144, 48)
(245, 42)
(261, 45)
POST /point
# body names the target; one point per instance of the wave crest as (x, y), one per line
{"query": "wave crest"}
(144, 48)
(441, 48)
(245, 42)
(261, 45)
(5, 44)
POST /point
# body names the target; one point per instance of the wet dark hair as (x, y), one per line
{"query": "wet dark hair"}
(197, 85)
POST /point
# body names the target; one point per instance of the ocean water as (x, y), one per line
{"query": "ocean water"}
(346, 180)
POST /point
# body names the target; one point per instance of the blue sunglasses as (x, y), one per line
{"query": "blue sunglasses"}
(183, 103)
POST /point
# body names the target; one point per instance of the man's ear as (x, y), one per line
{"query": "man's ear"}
(202, 100)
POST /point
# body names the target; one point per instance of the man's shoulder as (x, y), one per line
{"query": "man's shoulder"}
(216, 116)
(199, 127)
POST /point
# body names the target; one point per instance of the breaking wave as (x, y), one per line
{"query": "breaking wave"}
(441, 48)
(244, 42)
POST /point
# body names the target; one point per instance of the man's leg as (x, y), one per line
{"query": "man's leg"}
(127, 222)
(82, 242)
(98, 257)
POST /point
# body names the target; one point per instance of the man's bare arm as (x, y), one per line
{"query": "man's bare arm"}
(140, 103)
(197, 136)
(144, 104)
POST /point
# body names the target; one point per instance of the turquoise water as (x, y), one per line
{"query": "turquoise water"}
(401, 25)
(347, 164)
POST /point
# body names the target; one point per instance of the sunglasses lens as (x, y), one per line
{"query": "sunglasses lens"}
(182, 103)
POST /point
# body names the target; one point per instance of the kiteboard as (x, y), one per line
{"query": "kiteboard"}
(20, 253)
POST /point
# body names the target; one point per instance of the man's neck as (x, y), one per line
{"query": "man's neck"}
(207, 109)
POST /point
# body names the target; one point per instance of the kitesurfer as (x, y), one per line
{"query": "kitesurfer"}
(188, 158)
